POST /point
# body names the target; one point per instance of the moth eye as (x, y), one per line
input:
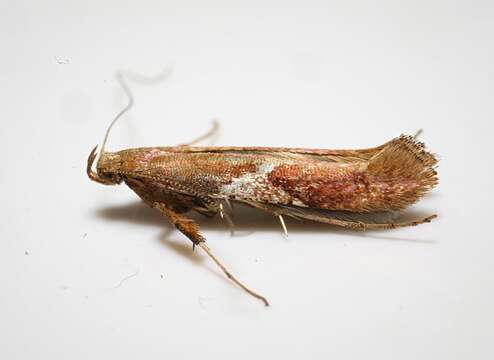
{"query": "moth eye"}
(113, 177)
(116, 177)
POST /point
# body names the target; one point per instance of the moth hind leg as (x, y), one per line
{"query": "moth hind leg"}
(358, 224)
(190, 229)
(350, 221)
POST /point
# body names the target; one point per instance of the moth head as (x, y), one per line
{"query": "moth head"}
(107, 169)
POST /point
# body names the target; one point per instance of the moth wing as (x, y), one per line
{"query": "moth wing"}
(322, 154)
(401, 158)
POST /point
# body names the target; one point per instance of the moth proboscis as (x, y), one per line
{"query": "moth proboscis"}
(355, 189)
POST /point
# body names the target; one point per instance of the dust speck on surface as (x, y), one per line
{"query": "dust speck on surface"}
(26, 253)
(162, 276)
(125, 279)
(62, 61)
(64, 287)
(84, 235)
(203, 301)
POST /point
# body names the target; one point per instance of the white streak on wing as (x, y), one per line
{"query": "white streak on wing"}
(243, 186)
(297, 202)
(255, 186)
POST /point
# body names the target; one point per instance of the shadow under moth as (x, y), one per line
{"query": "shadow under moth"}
(355, 189)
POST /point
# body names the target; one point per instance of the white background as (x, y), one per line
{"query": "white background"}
(88, 272)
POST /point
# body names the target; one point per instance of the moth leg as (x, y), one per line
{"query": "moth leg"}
(230, 206)
(229, 275)
(204, 212)
(427, 219)
(359, 225)
(190, 229)
(185, 225)
(355, 225)
(210, 133)
(283, 225)
(226, 216)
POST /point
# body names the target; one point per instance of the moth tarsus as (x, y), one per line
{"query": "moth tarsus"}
(230, 276)
(355, 189)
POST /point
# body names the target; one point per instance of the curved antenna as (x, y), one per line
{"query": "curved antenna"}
(139, 79)
(130, 103)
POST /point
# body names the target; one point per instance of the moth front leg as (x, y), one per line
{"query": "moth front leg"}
(185, 225)
(190, 229)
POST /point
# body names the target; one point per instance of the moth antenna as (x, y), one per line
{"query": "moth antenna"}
(229, 275)
(214, 129)
(137, 78)
(129, 105)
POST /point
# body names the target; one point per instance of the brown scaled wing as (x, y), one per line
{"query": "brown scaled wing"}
(304, 183)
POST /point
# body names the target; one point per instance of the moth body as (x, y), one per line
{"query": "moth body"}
(383, 179)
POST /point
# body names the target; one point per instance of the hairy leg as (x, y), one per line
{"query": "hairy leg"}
(358, 225)
(314, 215)
(190, 229)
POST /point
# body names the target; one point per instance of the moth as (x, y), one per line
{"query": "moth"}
(355, 189)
